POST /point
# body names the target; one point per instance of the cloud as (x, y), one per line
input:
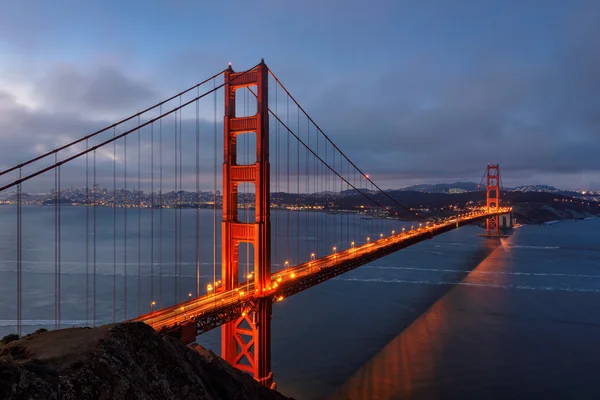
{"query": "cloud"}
(105, 90)
(423, 118)
(532, 118)
(70, 104)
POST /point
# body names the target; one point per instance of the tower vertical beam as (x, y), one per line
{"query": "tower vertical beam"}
(246, 342)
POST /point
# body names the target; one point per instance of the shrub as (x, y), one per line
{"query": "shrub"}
(9, 338)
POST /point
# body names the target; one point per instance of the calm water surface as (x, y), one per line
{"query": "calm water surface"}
(524, 323)
(455, 317)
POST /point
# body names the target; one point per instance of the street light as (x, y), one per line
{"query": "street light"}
(381, 236)
(209, 288)
(368, 239)
(393, 232)
(352, 244)
(152, 304)
(286, 264)
(334, 249)
(312, 255)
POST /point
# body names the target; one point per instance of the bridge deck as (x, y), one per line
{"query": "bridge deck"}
(214, 309)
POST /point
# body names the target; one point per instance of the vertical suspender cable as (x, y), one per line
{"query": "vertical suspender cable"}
(342, 201)
(307, 197)
(341, 204)
(198, 196)
(378, 222)
(298, 194)
(175, 221)
(19, 258)
(95, 231)
(277, 187)
(59, 248)
(322, 234)
(139, 217)
(334, 197)
(347, 214)
(375, 224)
(180, 209)
(55, 243)
(318, 197)
(330, 201)
(114, 227)
(87, 234)
(152, 213)
(125, 230)
(355, 222)
(215, 187)
(246, 210)
(160, 215)
(326, 225)
(287, 249)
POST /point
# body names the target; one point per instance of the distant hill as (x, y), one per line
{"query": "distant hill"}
(584, 195)
(456, 187)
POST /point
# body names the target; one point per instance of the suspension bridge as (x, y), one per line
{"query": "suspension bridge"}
(143, 222)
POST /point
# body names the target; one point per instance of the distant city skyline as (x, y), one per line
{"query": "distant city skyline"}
(452, 187)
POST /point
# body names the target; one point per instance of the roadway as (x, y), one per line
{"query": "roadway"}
(218, 307)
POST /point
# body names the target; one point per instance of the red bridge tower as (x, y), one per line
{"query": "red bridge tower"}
(246, 342)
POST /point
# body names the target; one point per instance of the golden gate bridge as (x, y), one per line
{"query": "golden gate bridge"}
(275, 157)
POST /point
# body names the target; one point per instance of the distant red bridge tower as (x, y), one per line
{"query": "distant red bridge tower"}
(492, 225)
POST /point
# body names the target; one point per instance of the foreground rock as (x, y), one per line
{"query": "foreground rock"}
(121, 361)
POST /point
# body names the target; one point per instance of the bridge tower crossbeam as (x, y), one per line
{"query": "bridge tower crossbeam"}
(246, 342)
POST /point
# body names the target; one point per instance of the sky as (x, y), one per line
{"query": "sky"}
(413, 91)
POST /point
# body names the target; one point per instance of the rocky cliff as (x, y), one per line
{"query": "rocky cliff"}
(119, 361)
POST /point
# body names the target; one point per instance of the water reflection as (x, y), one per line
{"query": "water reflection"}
(408, 365)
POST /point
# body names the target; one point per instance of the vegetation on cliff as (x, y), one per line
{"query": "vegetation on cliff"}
(119, 361)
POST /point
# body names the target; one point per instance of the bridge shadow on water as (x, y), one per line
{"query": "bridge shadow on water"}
(406, 366)
(522, 324)
(352, 318)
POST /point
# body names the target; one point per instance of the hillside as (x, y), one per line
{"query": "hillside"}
(119, 361)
